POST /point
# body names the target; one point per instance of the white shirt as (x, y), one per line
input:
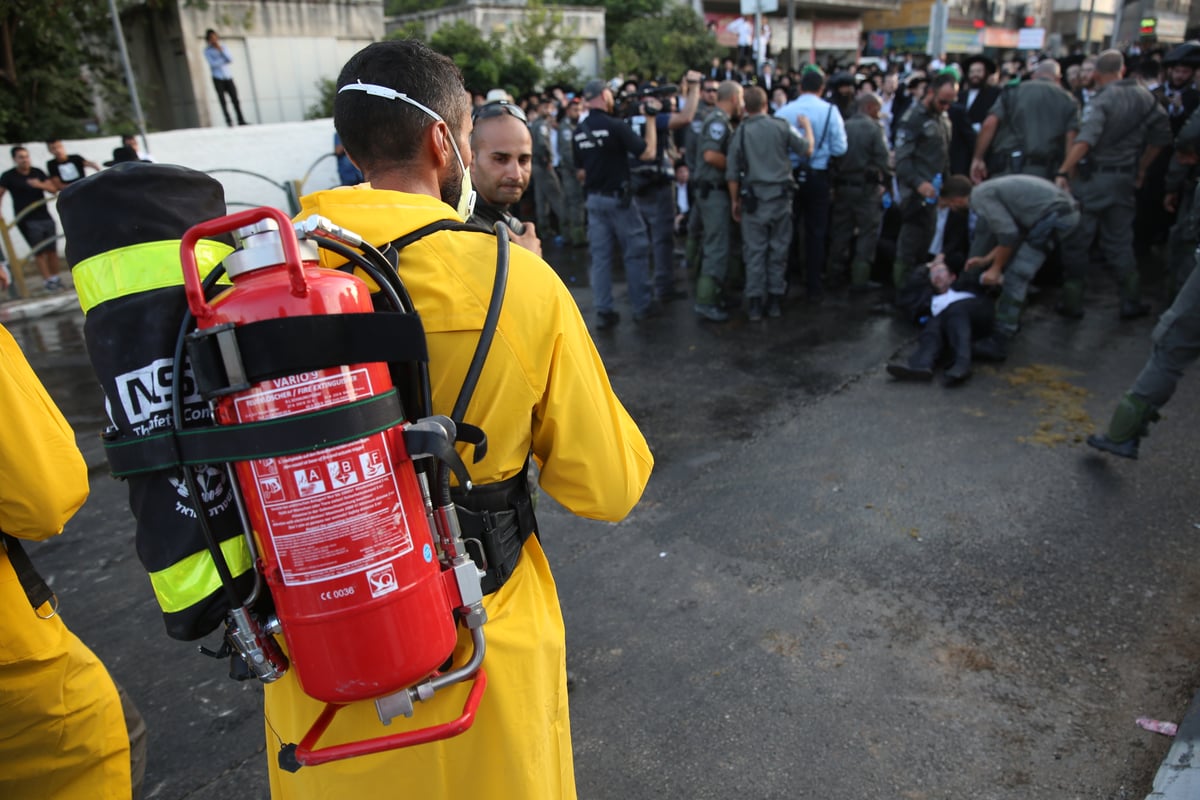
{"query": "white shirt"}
(941, 302)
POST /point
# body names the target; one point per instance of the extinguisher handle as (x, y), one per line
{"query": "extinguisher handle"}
(214, 227)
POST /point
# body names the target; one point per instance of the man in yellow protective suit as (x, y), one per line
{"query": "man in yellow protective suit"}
(404, 118)
(62, 732)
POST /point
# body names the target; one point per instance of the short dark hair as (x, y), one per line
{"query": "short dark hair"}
(957, 186)
(52, 140)
(208, 33)
(811, 81)
(940, 80)
(378, 131)
(16, 149)
(755, 99)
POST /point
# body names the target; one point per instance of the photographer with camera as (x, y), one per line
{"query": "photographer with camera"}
(601, 148)
(653, 189)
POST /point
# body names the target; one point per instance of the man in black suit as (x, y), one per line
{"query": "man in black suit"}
(975, 100)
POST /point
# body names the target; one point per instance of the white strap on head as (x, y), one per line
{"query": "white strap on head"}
(375, 90)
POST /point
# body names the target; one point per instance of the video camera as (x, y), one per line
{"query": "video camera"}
(632, 104)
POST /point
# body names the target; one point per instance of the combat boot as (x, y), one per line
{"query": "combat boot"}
(1070, 300)
(755, 310)
(1130, 421)
(1132, 306)
(708, 295)
(860, 278)
(774, 306)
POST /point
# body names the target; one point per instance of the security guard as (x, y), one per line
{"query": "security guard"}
(712, 199)
(576, 234)
(759, 174)
(922, 160)
(856, 197)
(691, 157)
(1122, 131)
(1029, 128)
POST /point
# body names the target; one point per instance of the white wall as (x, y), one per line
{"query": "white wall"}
(282, 152)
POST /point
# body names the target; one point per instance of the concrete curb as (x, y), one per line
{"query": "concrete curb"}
(1178, 778)
(39, 306)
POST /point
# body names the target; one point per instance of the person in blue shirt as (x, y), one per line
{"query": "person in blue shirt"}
(812, 201)
(218, 58)
(348, 174)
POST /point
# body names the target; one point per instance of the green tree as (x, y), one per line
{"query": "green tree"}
(664, 45)
(481, 60)
(323, 108)
(56, 57)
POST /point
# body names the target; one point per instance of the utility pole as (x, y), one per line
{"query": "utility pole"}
(133, 92)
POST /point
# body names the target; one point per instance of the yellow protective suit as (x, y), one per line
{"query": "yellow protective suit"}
(62, 733)
(543, 388)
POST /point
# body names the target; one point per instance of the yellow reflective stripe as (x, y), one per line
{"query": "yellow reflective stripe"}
(139, 268)
(194, 578)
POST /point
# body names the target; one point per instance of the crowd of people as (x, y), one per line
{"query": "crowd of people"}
(937, 191)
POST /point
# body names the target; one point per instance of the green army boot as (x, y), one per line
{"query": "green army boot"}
(1132, 306)
(900, 272)
(708, 296)
(1070, 300)
(860, 277)
(1130, 421)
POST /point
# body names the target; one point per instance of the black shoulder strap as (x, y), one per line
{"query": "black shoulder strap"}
(35, 588)
(472, 433)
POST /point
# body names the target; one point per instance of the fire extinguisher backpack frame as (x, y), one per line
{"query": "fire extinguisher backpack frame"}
(293, 364)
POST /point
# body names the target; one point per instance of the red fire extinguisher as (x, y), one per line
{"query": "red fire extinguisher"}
(365, 605)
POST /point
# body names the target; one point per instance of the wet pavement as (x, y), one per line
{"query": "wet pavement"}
(835, 586)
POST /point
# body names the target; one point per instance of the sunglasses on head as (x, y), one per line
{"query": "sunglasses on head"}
(497, 108)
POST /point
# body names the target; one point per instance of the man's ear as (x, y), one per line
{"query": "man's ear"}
(439, 143)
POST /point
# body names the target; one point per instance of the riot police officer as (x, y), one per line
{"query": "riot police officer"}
(922, 161)
(759, 174)
(854, 230)
(713, 202)
(1122, 131)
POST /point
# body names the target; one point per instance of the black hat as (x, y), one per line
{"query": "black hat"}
(989, 66)
(840, 79)
(121, 154)
(1186, 54)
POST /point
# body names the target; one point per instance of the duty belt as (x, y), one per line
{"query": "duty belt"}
(496, 520)
(849, 182)
(1123, 170)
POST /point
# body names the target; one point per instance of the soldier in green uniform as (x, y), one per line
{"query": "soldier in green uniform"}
(1122, 131)
(1029, 128)
(572, 189)
(922, 160)
(854, 228)
(712, 200)
(759, 176)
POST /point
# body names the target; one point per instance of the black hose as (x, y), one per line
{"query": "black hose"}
(210, 540)
(490, 322)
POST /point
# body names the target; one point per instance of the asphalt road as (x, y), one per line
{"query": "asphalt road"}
(835, 586)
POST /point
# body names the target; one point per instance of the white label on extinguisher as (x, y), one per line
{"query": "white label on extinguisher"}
(336, 511)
